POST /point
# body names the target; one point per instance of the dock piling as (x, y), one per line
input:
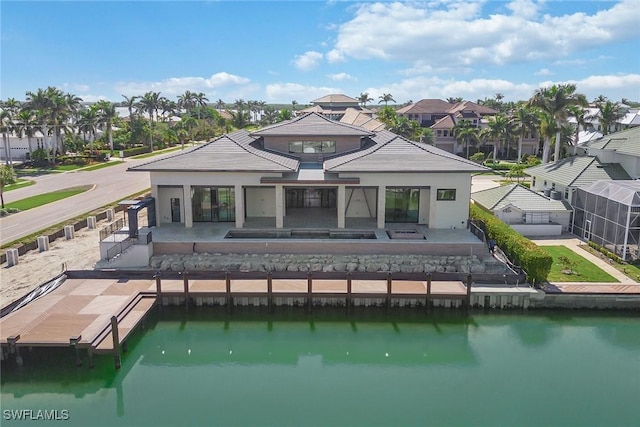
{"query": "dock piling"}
(227, 280)
(116, 341)
(185, 280)
(158, 278)
(467, 302)
(270, 290)
(349, 296)
(309, 292)
(428, 300)
(389, 285)
(73, 342)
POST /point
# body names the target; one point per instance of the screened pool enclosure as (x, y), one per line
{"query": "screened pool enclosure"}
(608, 213)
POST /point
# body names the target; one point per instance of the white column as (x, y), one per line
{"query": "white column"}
(279, 206)
(341, 205)
(155, 193)
(239, 205)
(188, 211)
(382, 190)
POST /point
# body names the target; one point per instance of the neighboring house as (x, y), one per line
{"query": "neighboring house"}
(608, 213)
(620, 147)
(526, 211)
(20, 145)
(335, 106)
(561, 179)
(362, 119)
(442, 117)
(315, 171)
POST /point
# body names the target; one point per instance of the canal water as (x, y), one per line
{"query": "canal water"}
(328, 369)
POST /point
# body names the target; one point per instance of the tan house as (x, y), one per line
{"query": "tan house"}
(335, 106)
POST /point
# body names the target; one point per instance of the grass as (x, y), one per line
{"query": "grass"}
(157, 152)
(66, 168)
(100, 166)
(583, 269)
(43, 199)
(18, 184)
(630, 270)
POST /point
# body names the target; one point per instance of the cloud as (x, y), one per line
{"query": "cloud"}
(175, 86)
(308, 60)
(456, 33)
(341, 76)
(335, 56)
(542, 72)
(278, 92)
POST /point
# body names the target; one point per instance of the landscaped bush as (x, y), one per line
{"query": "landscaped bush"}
(606, 252)
(477, 157)
(135, 151)
(520, 250)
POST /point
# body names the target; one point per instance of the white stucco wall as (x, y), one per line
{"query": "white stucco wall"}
(357, 208)
(260, 201)
(163, 204)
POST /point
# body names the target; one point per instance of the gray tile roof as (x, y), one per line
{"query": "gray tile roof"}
(360, 118)
(392, 153)
(472, 106)
(311, 124)
(232, 152)
(578, 171)
(624, 142)
(427, 106)
(520, 197)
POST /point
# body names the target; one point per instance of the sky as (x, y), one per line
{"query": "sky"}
(280, 51)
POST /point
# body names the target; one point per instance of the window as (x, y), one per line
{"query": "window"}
(312, 147)
(533, 182)
(446, 194)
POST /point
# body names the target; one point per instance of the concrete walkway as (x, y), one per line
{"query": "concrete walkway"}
(572, 242)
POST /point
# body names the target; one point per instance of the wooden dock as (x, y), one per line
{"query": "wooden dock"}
(92, 313)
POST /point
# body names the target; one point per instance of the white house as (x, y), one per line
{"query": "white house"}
(312, 171)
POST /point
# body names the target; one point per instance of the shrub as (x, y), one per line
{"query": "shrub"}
(477, 157)
(520, 250)
(606, 252)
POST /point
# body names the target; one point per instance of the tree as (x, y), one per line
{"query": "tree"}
(455, 100)
(580, 114)
(7, 127)
(523, 121)
(220, 104)
(27, 124)
(364, 99)
(464, 131)
(285, 114)
(130, 103)
(387, 115)
(150, 103)
(106, 115)
(38, 104)
(608, 115)
(7, 176)
(386, 98)
(88, 124)
(556, 101)
(499, 131)
(187, 101)
(427, 136)
(240, 119)
(293, 104)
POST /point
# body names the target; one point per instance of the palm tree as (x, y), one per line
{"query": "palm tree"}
(150, 103)
(239, 104)
(608, 115)
(130, 103)
(6, 127)
(455, 100)
(240, 119)
(187, 101)
(427, 136)
(580, 114)
(547, 128)
(464, 131)
(200, 100)
(27, 124)
(38, 104)
(364, 99)
(556, 101)
(88, 124)
(7, 176)
(220, 104)
(386, 98)
(106, 115)
(523, 121)
(293, 104)
(499, 131)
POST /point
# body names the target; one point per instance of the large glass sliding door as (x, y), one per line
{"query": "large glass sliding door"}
(401, 204)
(310, 197)
(213, 204)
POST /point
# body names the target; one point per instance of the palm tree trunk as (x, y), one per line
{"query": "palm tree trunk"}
(495, 151)
(546, 148)
(575, 140)
(467, 148)
(110, 137)
(556, 153)
(519, 148)
(30, 147)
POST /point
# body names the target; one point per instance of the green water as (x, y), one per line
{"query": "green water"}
(540, 369)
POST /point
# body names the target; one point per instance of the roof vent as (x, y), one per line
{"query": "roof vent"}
(555, 195)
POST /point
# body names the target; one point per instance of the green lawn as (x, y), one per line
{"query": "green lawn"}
(632, 271)
(158, 152)
(584, 270)
(19, 184)
(100, 166)
(43, 199)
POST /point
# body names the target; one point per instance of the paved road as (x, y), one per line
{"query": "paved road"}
(110, 184)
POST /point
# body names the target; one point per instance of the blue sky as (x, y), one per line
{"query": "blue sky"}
(301, 50)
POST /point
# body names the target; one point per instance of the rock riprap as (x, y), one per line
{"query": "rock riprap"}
(327, 263)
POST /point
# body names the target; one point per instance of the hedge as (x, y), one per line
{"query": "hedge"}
(129, 152)
(520, 250)
(606, 252)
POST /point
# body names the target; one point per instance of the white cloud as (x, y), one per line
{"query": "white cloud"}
(308, 60)
(280, 92)
(341, 76)
(92, 98)
(335, 56)
(175, 86)
(455, 33)
(543, 72)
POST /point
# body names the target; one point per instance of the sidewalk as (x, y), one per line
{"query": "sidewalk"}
(572, 242)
